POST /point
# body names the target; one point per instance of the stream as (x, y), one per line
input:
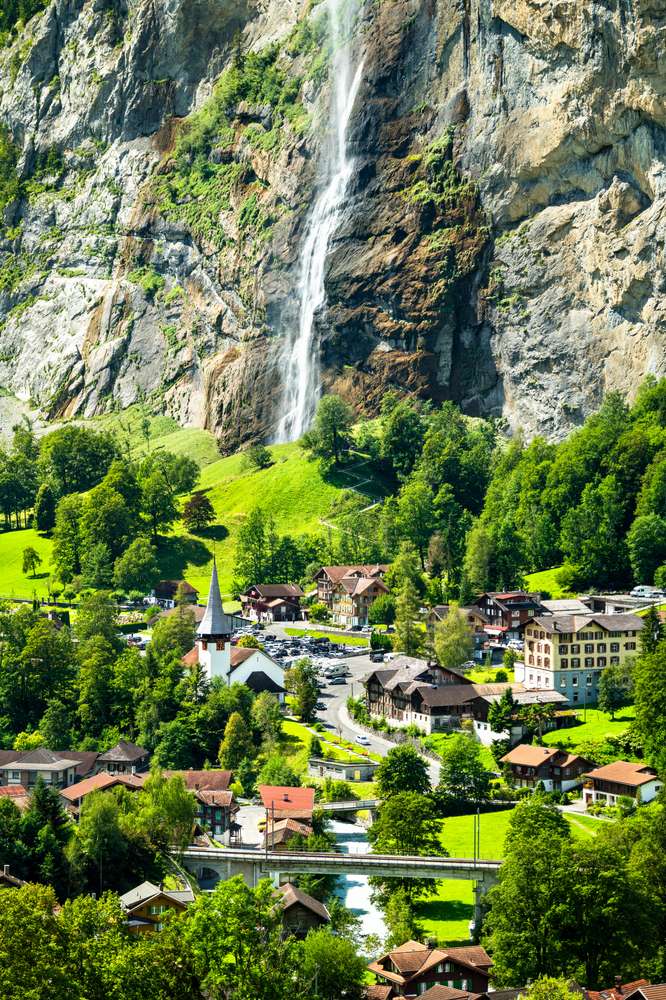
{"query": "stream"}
(354, 889)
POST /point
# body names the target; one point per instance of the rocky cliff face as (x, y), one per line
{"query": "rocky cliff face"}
(502, 244)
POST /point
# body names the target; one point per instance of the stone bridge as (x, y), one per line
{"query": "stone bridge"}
(211, 865)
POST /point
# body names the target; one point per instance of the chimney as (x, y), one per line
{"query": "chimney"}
(161, 886)
(6, 868)
(618, 984)
(213, 799)
(286, 797)
(196, 786)
(133, 769)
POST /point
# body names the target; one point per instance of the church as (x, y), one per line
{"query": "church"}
(252, 667)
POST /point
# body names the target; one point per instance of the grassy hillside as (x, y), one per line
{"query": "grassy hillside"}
(292, 491)
(545, 580)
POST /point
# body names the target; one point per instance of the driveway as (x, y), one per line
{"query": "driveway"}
(248, 817)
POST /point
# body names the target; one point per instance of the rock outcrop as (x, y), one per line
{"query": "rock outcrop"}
(502, 245)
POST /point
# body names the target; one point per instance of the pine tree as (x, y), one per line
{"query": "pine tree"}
(410, 635)
(237, 742)
(652, 632)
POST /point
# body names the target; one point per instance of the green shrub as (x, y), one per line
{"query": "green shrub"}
(149, 280)
(9, 157)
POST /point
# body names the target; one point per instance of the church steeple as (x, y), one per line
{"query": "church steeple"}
(214, 624)
(214, 633)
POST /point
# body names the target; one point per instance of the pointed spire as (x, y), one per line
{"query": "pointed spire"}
(214, 622)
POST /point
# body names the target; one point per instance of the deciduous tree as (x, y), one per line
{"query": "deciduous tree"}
(403, 769)
(237, 742)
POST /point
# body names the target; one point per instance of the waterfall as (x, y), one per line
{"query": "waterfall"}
(300, 364)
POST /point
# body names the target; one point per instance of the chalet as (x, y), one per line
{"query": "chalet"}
(559, 771)
(353, 596)
(606, 784)
(508, 611)
(166, 591)
(414, 968)
(477, 618)
(567, 653)
(287, 803)
(298, 911)
(563, 716)
(328, 576)
(275, 602)
(278, 834)
(409, 691)
(73, 796)
(124, 758)
(147, 903)
(215, 811)
(55, 769)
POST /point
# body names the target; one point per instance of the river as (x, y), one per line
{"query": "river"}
(354, 889)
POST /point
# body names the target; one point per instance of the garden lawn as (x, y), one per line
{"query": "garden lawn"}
(591, 825)
(438, 741)
(13, 582)
(545, 580)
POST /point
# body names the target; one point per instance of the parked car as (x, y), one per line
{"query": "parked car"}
(377, 656)
(362, 740)
(338, 680)
(270, 636)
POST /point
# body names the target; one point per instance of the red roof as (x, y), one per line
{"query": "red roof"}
(12, 790)
(102, 780)
(287, 799)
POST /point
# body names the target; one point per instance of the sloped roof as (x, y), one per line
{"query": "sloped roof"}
(275, 590)
(86, 760)
(283, 830)
(359, 584)
(194, 609)
(148, 890)
(102, 781)
(576, 623)
(440, 992)
(530, 756)
(291, 895)
(413, 958)
(171, 587)
(569, 606)
(12, 791)
(287, 799)
(612, 994)
(624, 773)
(657, 992)
(124, 751)
(214, 621)
(379, 991)
(212, 797)
(204, 781)
(41, 759)
(336, 573)
(260, 681)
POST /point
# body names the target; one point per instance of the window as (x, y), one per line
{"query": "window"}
(531, 678)
(575, 663)
(556, 770)
(547, 679)
(531, 661)
(529, 631)
(563, 680)
(539, 650)
(440, 967)
(588, 680)
(630, 645)
(598, 635)
(575, 696)
(539, 679)
(563, 650)
(601, 661)
(614, 660)
(542, 635)
(615, 647)
(589, 648)
(153, 909)
(575, 649)
(574, 680)
(564, 664)
(589, 661)
(546, 662)
(530, 613)
(615, 635)
(601, 647)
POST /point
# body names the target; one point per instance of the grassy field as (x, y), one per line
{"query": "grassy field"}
(13, 582)
(596, 727)
(447, 914)
(438, 741)
(545, 580)
(488, 676)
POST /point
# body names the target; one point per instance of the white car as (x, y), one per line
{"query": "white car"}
(362, 741)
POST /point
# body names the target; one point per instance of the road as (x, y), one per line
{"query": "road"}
(335, 717)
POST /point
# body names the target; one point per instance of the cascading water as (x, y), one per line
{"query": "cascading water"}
(300, 367)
